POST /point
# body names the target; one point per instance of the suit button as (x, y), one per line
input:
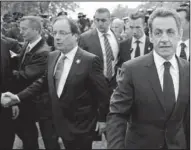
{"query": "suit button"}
(160, 146)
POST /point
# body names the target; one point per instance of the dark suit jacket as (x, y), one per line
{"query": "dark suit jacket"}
(90, 42)
(125, 49)
(28, 70)
(12, 44)
(6, 72)
(139, 98)
(85, 91)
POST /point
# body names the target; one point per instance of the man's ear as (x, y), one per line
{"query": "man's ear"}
(181, 34)
(150, 36)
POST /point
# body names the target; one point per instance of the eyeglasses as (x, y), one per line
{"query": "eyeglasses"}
(102, 20)
(61, 33)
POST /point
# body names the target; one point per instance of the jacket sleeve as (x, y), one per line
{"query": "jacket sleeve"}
(99, 88)
(120, 107)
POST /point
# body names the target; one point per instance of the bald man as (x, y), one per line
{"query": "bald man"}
(117, 26)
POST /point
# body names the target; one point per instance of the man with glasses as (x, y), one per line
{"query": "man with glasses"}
(77, 88)
(153, 93)
(102, 42)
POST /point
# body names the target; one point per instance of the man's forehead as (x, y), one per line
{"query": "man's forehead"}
(102, 15)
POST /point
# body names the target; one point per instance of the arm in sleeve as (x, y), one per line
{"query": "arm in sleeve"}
(34, 89)
(120, 107)
(99, 88)
(35, 68)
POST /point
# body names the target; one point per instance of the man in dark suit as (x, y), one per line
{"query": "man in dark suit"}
(183, 48)
(29, 65)
(6, 123)
(153, 93)
(78, 90)
(102, 42)
(139, 44)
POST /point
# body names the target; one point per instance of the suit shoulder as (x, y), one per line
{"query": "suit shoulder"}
(44, 47)
(184, 62)
(87, 34)
(87, 54)
(138, 62)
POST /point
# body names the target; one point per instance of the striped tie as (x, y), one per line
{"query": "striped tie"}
(183, 53)
(109, 56)
(59, 71)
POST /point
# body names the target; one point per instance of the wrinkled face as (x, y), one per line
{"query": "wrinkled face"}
(165, 36)
(28, 33)
(102, 21)
(137, 27)
(64, 40)
(185, 23)
(117, 28)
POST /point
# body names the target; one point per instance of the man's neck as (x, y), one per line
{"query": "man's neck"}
(185, 36)
(34, 39)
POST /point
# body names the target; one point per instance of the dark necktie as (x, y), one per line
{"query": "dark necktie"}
(59, 71)
(168, 89)
(109, 56)
(26, 51)
(183, 53)
(137, 50)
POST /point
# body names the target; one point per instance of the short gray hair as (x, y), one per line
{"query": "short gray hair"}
(164, 12)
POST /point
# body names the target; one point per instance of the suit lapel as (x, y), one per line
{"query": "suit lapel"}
(154, 80)
(148, 46)
(73, 70)
(96, 41)
(181, 85)
(53, 58)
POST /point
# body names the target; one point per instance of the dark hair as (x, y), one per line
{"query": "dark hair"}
(186, 10)
(62, 13)
(164, 12)
(34, 21)
(73, 26)
(103, 10)
(137, 15)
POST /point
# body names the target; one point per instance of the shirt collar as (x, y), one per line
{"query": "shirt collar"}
(31, 45)
(185, 42)
(142, 39)
(159, 61)
(100, 34)
(70, 55)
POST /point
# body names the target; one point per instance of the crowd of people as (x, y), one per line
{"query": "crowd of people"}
(125, 79)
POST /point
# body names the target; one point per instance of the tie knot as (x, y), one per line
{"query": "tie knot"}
(183, 45)
(105, 34)
(167, 65)
(137, 41)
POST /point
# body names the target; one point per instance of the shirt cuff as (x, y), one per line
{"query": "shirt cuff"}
(18, 98)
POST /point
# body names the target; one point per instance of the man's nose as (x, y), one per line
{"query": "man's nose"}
(164, 37)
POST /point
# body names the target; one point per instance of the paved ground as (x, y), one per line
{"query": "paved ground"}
(96, 145)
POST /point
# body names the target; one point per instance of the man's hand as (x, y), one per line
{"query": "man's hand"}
(101, 127)
(9, 99)
(15, 112)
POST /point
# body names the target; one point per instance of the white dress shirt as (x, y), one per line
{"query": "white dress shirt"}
(174, 71)
(187, 48)
(141, 45)
(67, 66)
(31, 45)
(115, 49)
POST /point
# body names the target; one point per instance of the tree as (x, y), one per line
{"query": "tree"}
(35, 7)
(121, 11)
